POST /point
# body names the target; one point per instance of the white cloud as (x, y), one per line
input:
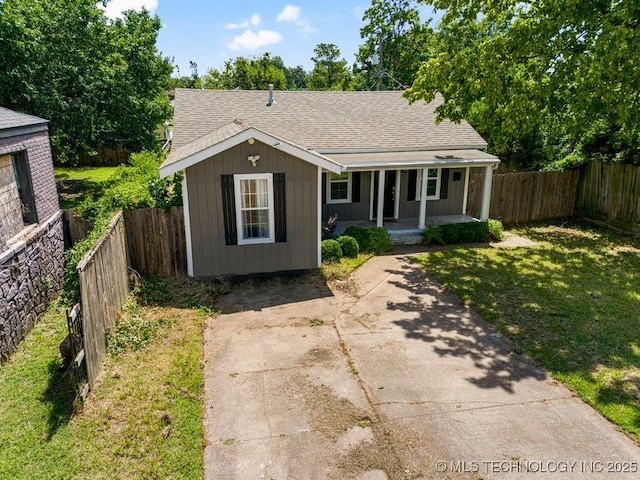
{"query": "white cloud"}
(255, 20)
(292, 14)
(250, 40)
(115, 8)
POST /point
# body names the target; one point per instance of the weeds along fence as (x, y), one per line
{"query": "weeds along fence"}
(526, 196)
(103, 291)
(610, 193)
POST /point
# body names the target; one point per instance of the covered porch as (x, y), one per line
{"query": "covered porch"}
(405, 231)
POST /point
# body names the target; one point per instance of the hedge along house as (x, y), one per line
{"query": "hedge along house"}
(31, 238)
(263, 170)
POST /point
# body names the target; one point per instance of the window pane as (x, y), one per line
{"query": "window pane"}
(254, 193)
(431, 187)
(340, 176)
(339, 191)
(255, 224)
(432, 173)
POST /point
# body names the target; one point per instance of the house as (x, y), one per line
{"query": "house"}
(263, 170)
(31, 235)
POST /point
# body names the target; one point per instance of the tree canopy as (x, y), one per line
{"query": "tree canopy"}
(561, 79)
(329, 72)
(98, 81)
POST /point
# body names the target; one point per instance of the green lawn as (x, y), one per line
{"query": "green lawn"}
(572, 302)
(144, 419)
(76, 183)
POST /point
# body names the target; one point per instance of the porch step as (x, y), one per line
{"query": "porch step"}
(409, 237)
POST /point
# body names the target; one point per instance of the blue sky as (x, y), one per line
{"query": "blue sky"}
(212, 31)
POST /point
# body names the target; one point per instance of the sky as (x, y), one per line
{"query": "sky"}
(209, 32)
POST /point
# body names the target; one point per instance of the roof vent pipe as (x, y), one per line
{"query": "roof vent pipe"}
(271, 101)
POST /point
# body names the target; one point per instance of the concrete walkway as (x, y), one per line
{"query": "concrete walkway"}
(396, 379)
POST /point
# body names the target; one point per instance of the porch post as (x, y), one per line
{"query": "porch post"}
(187, 224)
(423, 199)
(396, 199)
(371, 190)
(380, 213)
(486, 193)
(465, 196)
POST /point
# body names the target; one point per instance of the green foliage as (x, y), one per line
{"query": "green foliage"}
(379, 240)
(539, 79)
(395, 26)
(331, 251)
(135, 186)
(253, 73)
(469, 232)
(496, 231)
(98, 81)
(349, 246)
(329, 72)
(135, 329)
(362, 236)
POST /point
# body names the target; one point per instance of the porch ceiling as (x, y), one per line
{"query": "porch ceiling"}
(414, 159)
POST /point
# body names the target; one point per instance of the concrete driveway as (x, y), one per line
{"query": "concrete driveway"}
(392, 378)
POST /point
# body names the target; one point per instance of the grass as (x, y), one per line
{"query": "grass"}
(572, 302)
(76, 183)
(144, 420)
(341, 270)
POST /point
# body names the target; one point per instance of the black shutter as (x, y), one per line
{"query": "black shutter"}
(229, 210)
(444, 184)
(355, 187)
(324, 187)
(412, 185)
(280, 207)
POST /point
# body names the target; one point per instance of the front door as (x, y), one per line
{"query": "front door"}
(388, 207)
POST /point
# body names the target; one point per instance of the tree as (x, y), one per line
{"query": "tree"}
(97, 81)
(255, 73)
(329, 71)
(186, 81)
(394, 34)
(563, 77)
(296, 77)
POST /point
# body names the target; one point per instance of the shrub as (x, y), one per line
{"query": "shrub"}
(470, 232)
(379, 240)
(331, 251)
(361, 234)
(433, 234)
(496, 232)
(349, 246)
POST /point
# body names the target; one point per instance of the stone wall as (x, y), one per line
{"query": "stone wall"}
(31, 275)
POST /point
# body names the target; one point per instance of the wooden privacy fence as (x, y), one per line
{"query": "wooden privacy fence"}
(610, 192)
(526, 196)
(103, 291)
(156, 241)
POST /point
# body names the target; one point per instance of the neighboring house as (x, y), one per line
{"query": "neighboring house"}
(31, 238)
(264, 170)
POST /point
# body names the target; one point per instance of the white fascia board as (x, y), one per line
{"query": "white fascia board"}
(438, 163)
(306, 155)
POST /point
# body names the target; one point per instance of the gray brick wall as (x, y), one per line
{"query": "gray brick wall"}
(31, 275)
(41, 169)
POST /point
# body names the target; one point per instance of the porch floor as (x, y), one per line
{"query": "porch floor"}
(405, 231)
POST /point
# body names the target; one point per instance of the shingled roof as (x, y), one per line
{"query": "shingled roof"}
(16, 123)
(324, 121)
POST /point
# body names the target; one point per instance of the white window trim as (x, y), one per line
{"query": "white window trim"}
(436, 196)
(339, 200)
(236, 190)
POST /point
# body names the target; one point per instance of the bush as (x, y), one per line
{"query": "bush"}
(496, 232)
(379, 240)
(361, 234)
(331, 251)
(349, 246)
(470, 232)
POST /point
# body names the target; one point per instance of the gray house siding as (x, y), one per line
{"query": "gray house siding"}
(349, 211)
(210, 253)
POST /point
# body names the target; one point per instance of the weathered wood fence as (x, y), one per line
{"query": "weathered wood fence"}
(103, 291)
(610, 193)
(74, 227)
(156, 241)
(526, 196)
